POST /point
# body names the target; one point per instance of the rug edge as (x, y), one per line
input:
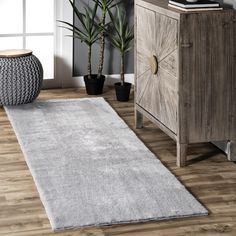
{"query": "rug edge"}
(156, 219)
(38, 188)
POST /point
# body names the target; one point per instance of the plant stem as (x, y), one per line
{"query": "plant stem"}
(89, 61)
(102, 45)
(122, 70)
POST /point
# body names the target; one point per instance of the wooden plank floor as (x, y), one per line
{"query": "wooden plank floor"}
(209, 177)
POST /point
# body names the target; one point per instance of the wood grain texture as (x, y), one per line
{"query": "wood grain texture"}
(160, 6)
(181, 154)
(184, 84)
(194, 91)
(232, 150)
(144, 39)
(157, 92)
(155, 121)
(209, 177)
(210, 65)
(138, 119)
(233, 80)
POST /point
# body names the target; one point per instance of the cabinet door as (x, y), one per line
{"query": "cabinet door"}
(157, 93)
(209, 74)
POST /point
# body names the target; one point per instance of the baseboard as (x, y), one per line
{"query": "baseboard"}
(76, 82)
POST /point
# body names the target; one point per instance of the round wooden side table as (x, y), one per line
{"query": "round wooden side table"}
(21, 77)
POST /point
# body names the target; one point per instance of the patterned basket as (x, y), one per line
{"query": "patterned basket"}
(20, 79)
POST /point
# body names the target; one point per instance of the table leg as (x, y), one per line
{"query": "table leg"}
(181, 154)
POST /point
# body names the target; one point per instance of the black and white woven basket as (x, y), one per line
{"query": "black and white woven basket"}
(20, 79)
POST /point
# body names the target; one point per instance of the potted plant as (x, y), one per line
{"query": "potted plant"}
(88, 32)
(105, 6)
(121, 38)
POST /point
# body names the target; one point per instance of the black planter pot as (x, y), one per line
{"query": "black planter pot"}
(122, 91)
(94, 85)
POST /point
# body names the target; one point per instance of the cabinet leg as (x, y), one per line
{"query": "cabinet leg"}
(231, 150)
(138, 120)
(181, 154)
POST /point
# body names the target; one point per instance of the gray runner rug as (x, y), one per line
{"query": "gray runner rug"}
(90, 169)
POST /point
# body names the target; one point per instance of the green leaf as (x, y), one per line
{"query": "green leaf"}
(122, 35)
(88, 31)
(74, 28)
(78, 14)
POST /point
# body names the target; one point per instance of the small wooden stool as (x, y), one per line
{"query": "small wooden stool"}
(21, 77)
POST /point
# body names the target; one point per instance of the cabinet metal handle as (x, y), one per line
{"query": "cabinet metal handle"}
(153, 64)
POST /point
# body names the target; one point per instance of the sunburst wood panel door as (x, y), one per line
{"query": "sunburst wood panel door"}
(157, 90)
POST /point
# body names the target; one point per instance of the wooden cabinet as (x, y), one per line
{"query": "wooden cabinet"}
(185, 75)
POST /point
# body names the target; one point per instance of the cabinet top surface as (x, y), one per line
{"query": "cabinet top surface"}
(164, 5)
(159, 3)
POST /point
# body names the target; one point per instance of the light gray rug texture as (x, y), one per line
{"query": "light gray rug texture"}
(91, 169)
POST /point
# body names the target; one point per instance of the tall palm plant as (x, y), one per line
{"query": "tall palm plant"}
(89, 30)
(122, 37)
(105, 6)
